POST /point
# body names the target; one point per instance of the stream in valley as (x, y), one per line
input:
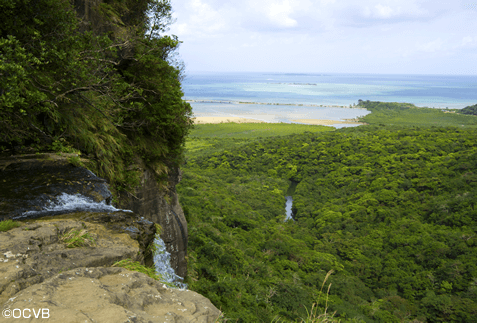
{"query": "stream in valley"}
(288, 207)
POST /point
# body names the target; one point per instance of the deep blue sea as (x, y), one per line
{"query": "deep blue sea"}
(321, 96)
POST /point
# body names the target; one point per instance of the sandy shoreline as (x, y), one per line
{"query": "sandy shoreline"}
(285, 104)
(322, 122)
(203, 120)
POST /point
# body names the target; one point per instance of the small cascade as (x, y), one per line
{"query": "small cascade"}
(69, 203)
(288, 208)
(289, 200)
(162, 262)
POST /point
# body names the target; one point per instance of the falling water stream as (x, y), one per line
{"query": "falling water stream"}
(162, 262)
(67, 203)
(288, 207)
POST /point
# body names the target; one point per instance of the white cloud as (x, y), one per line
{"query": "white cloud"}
(432, 46)
(395, 10)
(469, 42)
(325, 35)
(381, 12)
(279, 11)
(385, 11)
(266, 14)
(200, 19)
(466, 43)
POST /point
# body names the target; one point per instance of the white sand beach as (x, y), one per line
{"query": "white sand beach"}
(324, 122)
(202, 120)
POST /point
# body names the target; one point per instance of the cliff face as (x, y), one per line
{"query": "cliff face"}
(119, 108)
(162, 207)
(31, 182)
(155, 203)
(80, 282)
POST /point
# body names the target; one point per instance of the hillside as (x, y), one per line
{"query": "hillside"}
(406, 114)
(390, 209)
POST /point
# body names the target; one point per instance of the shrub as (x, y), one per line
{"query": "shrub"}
(8, 224)
(77, 238)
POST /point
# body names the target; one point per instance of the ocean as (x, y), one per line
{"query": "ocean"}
(280, 97)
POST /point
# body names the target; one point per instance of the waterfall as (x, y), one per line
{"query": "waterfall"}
(69, 203)
(162, 262)
(288, 207)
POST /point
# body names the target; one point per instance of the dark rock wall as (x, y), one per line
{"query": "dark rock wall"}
(162, 207)
(149, 200)
(29, 182)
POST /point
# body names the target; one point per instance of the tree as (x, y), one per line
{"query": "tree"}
(101, 80)
(472, 110)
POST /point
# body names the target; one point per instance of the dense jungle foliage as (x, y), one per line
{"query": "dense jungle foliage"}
(92, 77)
(406, 114)
(472, 110)
(391, 209)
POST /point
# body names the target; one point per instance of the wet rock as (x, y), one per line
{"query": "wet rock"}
(162, 206)
(28, 183)
(34, 251)
(112, 295)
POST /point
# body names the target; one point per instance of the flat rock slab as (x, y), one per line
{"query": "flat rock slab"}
(110, 294)
(34, 251)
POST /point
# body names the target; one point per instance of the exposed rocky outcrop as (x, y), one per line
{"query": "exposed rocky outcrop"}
(38, 270)
(29, 182)
(112, 295)
(34, 252)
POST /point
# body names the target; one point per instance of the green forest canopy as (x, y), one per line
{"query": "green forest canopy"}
(406, 114)
(390, 209)
(471, 110)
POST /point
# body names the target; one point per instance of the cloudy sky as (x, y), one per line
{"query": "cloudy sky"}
(331, 36)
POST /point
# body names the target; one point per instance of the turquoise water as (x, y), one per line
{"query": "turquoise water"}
(333, 89)
(280, 95)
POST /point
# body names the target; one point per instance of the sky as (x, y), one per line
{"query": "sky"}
(328, 36)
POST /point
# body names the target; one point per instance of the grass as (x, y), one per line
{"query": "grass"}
(129, 264)
(252, 130)
(77, 238)
(136, 266)
(206, 138)
(152, 248)
(315, 315)
(6, 225)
